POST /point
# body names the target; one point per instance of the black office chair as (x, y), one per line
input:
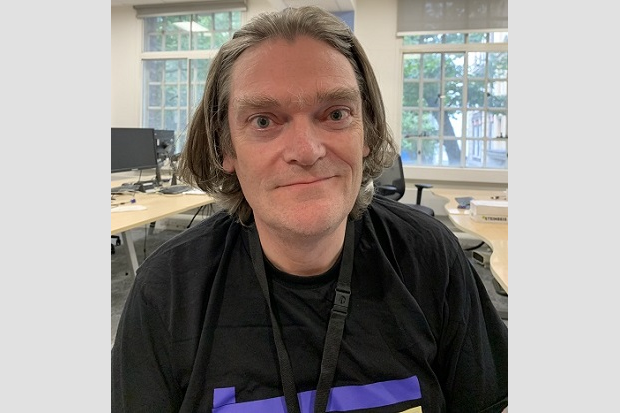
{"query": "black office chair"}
(391, 184)
(117, 241)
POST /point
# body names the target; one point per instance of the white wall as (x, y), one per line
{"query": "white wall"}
(375, 26)
(381, 46)
(125, 67)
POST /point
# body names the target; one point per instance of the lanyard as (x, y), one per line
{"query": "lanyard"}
(335, 327)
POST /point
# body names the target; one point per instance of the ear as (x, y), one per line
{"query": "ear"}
(228, 164)
(366, 150)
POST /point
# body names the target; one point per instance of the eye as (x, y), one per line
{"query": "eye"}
(338, 114)
(261, 122)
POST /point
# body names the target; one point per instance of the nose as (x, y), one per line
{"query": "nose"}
(303, 142)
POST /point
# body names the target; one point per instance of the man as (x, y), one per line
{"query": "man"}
(307, 293)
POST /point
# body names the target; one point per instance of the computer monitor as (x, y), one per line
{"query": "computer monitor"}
(134, 149)
(165, 143)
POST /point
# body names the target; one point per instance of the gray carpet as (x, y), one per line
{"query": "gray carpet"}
(122, 281)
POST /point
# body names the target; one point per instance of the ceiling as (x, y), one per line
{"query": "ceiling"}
(330, 5)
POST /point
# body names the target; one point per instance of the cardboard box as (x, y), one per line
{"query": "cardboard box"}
(488, 210)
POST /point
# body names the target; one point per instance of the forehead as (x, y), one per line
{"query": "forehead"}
(291, 69)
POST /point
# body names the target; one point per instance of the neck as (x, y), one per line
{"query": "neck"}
(302, 255)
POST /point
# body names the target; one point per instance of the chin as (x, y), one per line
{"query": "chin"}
(315, 219)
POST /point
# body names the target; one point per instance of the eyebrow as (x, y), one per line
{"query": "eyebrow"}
(254, 102)
(347, 94)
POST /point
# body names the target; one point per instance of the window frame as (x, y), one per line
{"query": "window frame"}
(445, 173)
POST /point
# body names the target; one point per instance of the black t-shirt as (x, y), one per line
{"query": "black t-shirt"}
(421, 334)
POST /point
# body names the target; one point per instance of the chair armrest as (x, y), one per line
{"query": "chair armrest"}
(385, 190)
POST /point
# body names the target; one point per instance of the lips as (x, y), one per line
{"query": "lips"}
(304, 182)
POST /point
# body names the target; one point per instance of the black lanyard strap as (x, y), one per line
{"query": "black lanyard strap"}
(335, 327)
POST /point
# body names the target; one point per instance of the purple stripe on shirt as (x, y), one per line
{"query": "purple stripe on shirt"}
(341, 398)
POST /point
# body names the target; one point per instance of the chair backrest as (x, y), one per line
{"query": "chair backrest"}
(391, 182)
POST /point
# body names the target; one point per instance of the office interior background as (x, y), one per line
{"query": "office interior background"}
(379, 27)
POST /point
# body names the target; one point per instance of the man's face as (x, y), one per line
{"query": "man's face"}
(295, 117)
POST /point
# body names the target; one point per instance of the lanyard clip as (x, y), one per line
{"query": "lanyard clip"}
(341, 301)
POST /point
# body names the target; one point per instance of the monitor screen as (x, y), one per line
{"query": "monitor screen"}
(133, 149)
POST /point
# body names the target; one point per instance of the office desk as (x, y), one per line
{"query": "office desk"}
(158, 206)
(494, 234)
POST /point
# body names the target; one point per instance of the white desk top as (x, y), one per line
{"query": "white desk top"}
(157, 206)
(494, 234)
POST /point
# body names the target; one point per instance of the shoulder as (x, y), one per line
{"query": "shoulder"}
(421, 250)
(399, 219)
(196, 250)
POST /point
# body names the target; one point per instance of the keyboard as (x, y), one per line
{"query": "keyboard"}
(175, 189)
(125, 188)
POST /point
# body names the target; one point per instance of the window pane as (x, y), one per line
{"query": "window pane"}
(454, 38)
(475, 153)
(410, 124)
(235, 20)
(153, 117)
(155, 95)
(220, 39)
(422, 39)
(430, 152)
(199, 69)
(477, 38)
(182, 91)
(497, 154)
(454, 65)
(497, 97)
(430, 125)
(451, 154)
(497, 122)
(453, 94)
(476, 94)
(411, 94)
(222, 21)
(202, 41)
(475, 124)
(432, 65)
(154, 42)
(204, 23)
(171, 119)
(453, 124)
(411, 66)
(409, 150)
(476, 64)
(431, 94)
(498, 37)
(498, 65)
(172, 95)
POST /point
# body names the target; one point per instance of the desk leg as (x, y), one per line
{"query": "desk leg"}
(131, 251)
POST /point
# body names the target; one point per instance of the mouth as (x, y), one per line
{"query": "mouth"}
(305, 182)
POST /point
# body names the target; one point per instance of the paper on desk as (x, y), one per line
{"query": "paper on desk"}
(194, 191)
(125, 208)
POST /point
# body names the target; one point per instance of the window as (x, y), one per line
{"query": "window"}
(177, 52)
(455, 100)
